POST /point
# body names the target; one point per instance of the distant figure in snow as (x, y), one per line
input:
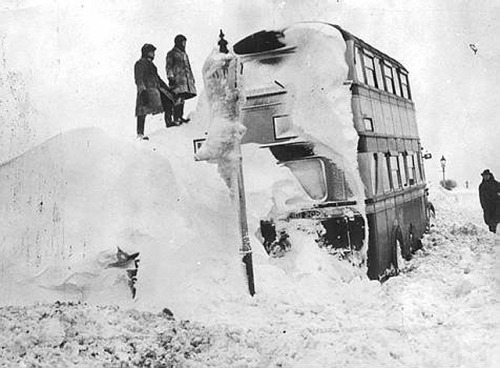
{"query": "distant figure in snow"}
(153, 94)
(180, 78)
(489, 196)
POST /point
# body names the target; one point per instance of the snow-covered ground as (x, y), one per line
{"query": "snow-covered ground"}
(309, 310)
(69, 202)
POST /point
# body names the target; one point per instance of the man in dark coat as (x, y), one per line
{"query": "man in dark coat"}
(180, 77)
(489, 196)
(153, 94)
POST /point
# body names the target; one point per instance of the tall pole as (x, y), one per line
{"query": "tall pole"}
(443, 166)
(245, 247)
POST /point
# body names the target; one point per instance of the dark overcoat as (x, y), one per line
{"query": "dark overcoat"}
(489, 196)
(150, 88)
(179, 74)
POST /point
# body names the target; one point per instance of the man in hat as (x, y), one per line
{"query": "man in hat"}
(180, 78)
(153, 94)
(489, 196)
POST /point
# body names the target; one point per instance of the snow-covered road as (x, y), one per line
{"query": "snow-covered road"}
(442, 311)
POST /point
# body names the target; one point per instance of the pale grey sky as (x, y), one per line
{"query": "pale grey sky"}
(76, 58)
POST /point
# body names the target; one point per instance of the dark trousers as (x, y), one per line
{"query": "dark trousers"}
(168, 107)
(141, 119)
(490, 218)
(178, 111)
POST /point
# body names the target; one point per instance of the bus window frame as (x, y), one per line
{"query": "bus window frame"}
(390, 158)
(389, 188)
(421, 175)
(403, 173)
(411, 172)
(397, 82)
(405, 87)
(358, 60)
(369, 55)
(323, 175)
(407, 171)
(367, 119)
(376, 178)
(385, 64)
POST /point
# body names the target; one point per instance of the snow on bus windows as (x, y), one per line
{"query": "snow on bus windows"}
(310, 173)
(282, 126)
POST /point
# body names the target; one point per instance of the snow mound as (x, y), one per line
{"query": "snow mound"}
(69, 202)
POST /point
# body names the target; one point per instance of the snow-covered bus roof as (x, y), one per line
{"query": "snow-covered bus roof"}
(265, 42)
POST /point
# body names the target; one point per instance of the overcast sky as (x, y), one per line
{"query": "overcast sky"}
(76, 58)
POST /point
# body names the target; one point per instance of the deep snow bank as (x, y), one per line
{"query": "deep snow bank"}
(441, 311)
(69, 202)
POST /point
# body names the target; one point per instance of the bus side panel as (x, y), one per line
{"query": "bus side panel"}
(383, 238)
(420, 205)
(409, 219)
(373, 270)
(387, 251)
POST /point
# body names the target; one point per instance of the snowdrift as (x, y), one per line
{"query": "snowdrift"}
(440, 311)
(68, 203)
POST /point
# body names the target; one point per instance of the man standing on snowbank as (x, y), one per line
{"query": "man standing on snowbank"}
(489, 196)
(151, 90)
(180, 77)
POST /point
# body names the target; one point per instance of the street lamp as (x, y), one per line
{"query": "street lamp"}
(443, 166)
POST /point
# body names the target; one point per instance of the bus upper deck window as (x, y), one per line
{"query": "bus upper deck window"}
(311, 175)
(371, 77)
(405, 87)
(397, 85)
(388, 78)
(359, 64)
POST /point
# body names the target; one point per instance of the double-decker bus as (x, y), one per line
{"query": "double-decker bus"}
(388, 154)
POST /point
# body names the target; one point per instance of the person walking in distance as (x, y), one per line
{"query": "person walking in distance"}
(180, 78)
(151, 90)
(489, 196)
